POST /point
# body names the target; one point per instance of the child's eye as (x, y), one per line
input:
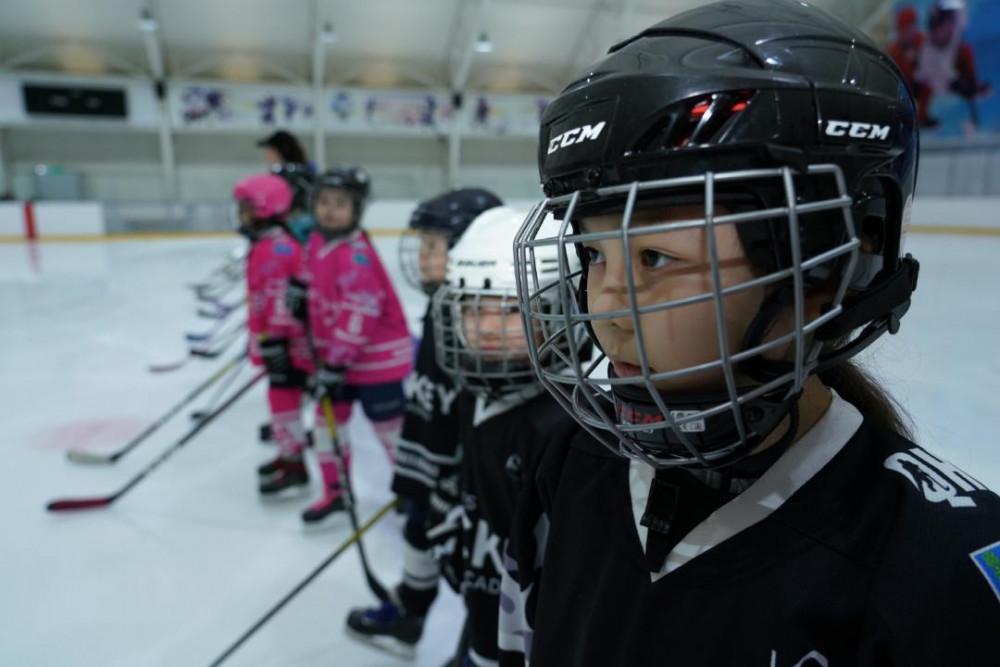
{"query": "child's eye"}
(594, 256)
(652, 259)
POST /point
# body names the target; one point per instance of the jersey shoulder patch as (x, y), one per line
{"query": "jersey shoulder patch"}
(987, 560)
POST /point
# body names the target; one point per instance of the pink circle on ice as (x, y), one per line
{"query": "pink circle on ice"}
(90, 434)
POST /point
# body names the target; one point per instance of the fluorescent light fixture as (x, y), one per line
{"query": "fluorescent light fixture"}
(327, 35)
(146, 21)
(483, 44)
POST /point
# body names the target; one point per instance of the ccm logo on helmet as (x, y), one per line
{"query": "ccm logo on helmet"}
(844, 128)
(576, 136)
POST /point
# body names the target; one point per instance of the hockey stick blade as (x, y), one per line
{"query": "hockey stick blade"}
(207, 354)
(78, 456)
(90, 458)
(192, 353)
(166, 368)
(211, 314)
(93, 503)
(72, 504)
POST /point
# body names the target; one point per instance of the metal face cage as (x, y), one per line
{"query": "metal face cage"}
(673, 432)
(479, 344)
(411, 251)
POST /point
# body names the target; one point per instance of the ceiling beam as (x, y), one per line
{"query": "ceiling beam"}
(151, 30)
(465, 42)
(27, 57)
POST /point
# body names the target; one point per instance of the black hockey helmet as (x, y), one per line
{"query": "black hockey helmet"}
(451, 213)
(354, 180)
(301, 178)
(448, 214)
(780, 120)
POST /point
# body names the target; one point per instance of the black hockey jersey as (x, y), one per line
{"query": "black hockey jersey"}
(854, 548)
(429, 438)
(501, 444)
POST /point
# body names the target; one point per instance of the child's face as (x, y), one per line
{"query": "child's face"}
(493, 328)
(433, 258)
(668, 266)
(334, 209)
(245, 214)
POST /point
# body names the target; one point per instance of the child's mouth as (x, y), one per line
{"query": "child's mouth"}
(624, 369)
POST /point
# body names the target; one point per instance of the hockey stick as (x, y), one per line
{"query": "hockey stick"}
(80, 456)
(215, 295)
(231, 266)
(219, 393)
(202, 337)
(196, 353)
(217, 314)
(67, 504)
(331, 424)
(355, 537)
(217, 332)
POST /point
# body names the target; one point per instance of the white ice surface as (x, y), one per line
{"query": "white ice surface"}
(179, 567)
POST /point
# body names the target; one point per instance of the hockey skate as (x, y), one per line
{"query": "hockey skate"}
(331, 503)
(388, 628)
(285, 477)
(270, 468)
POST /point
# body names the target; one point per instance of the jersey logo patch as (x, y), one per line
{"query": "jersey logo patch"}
(282, 249)
(938, 480)
(361, 258)
(987, 560)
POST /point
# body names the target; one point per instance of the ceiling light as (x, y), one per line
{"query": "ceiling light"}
(483, 44)
(146, 21)
(327, 35)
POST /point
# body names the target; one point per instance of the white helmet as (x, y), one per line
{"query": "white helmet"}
(479, 332)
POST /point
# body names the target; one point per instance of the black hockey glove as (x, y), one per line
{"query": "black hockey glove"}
(330, 381)
(277, 361)
(297, 299)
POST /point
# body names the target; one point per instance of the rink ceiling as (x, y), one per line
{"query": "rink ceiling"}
(183, 564)
(538, 44)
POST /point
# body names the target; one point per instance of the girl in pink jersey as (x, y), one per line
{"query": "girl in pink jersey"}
(277, 341)
(362, 341)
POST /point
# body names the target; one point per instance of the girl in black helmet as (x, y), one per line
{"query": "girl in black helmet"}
(737, 183)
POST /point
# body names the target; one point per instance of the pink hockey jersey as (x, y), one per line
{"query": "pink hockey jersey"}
(272, 260)
(354, 312)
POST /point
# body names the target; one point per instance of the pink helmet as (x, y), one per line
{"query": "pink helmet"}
(270, 195)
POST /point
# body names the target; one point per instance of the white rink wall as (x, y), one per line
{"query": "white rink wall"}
(75, 219)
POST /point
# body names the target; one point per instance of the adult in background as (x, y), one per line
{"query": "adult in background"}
(286, 158)
(281, 148)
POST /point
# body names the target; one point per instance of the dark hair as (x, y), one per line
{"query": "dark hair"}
(856, 386)
(287, 146)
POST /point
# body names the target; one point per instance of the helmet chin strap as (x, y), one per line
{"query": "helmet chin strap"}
(716, 438)
(718, 433)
